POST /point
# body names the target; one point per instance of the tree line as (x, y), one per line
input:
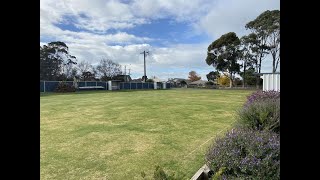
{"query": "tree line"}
(225, 53)
(57, 64)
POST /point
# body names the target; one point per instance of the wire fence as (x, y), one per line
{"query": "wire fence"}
(51, 86)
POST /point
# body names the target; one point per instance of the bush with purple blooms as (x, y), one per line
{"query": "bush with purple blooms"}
(261, 115)
(261, 96)
(246, 154)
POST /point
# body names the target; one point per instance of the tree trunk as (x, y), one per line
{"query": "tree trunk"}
(259, 71)
(260, 64)
(257, 81)
(231, 82)
(244, 75)
(273, 62)
(278, 60)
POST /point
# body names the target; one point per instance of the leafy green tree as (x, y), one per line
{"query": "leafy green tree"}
(267, 28)
(250, 77)
(150, 80)
(54, 58)
(249, 53)
(213, 75)
(224, 53)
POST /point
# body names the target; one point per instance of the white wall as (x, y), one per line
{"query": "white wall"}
(271, 82)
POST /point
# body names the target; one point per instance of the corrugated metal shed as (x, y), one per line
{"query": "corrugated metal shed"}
(271, 81)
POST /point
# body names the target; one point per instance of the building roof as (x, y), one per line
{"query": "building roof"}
(156, 79)
(198, 82)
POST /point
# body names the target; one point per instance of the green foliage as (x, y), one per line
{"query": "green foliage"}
(223, 54)
(261, 115)
(65, 87)
(267, 28)
(209, 83)
(143, 174)
(52, 60)
(218, 175)
(238, 81)
(160, 174)
(213, 75)
(245, 154)
(250, 78)
(149, 80)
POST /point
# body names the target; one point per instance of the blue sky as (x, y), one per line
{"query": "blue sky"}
(177, 33)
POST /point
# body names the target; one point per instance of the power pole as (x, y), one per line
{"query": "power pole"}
(129, 72)
(144, 60)
(125, 70)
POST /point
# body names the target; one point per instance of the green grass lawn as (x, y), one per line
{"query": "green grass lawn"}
(117, 135)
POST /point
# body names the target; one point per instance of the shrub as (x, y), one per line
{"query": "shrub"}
(160, 174)
(209, 83)
(261, 115)
(65, 87)
(262, 95)
(246, 154)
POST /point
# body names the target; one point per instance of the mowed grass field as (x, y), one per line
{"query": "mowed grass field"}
(118, 135)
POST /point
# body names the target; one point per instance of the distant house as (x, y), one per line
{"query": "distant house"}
(155, 79)
(176, 82)
(199, 83)
(136, 80)
(122, 78)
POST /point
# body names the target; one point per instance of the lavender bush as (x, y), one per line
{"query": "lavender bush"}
(261, 96)
(261, 115)
(246, 154)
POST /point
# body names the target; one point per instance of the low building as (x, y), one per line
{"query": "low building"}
(179, 82)
(199, 83)
(122, 78)
(156, 79)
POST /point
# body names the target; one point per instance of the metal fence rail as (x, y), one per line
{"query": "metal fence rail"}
(51, 86)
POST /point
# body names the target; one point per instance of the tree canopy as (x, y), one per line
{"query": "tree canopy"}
(55, 61)
(224, 53)
(267, 28)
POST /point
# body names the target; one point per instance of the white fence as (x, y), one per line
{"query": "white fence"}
(271, 81)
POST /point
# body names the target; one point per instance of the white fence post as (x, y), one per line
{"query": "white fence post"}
(155, 85)
(164, 85)
(110, 85)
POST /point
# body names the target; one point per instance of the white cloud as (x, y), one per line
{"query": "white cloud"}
(232, 16)
(180, 10)
(93, 15)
